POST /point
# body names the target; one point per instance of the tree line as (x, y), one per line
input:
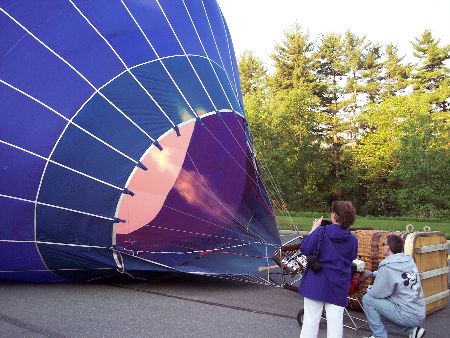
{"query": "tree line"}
(342, 117)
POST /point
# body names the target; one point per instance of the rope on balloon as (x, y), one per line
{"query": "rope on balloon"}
(279, 203)
(256, 183)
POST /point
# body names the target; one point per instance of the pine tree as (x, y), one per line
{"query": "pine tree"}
(330, 71)
(293, 61)
(252, 73)
(431, 75)
(396, 74)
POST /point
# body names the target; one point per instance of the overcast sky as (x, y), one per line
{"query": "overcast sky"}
(256, 25)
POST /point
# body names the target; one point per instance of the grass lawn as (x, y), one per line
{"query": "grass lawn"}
(304, 220)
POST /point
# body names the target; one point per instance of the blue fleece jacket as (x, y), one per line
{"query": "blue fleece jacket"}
(337, 251)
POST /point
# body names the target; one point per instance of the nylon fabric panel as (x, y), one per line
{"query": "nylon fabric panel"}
(20, 173)
(142, 268)
(61, 185)
(192, 88)
(63, 29)
(33, 277)
(20, 257)
(263, 222)
(223, 43)
(67, 227)
(117, 26)
(157, 30)
(198, 15)
(126, 94)
(182, 26)
(231, 261)
(232, 96)
(235, 69)
(18, 126)
(17, 220)
(82, 152)
(219, 96)
(52, 81)
(86, 263)
(104, 121)
(154, 77)
(21, 261)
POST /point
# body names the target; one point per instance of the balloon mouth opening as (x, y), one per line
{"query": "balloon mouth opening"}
(151, 186)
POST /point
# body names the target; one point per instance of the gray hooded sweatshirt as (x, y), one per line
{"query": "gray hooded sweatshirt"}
(397, 280)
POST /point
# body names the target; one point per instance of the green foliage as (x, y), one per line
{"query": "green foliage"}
(431, 74)
(423, 167)
(304, 220)
(344, 118)
(397, 75)
(293, 61)
(253, 74)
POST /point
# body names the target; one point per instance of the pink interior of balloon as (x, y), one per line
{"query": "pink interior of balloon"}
(152, 186)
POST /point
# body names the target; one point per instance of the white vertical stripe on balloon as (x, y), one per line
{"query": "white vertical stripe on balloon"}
(229, 51)
(68, 120)
(77, 72)
(220, 56)
(159, 58)
(207, 56)
(187, 57)
(123, 62)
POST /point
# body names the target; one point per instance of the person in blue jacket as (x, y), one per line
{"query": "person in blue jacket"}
(328, 287)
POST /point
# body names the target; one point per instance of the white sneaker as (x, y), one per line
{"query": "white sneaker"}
(369, 337)
(418, 332)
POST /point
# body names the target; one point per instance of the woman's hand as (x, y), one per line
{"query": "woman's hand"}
(367, 274)
(316, 223)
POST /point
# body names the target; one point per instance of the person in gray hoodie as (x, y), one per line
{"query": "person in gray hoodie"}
(396, 298)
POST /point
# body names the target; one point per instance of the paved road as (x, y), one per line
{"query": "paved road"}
(172, 306)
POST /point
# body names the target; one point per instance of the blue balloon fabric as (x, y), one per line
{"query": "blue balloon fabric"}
(123, 143)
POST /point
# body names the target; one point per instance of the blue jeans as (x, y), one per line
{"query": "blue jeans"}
(381, 312)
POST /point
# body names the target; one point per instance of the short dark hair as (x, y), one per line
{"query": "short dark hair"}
(345, 213)
(395, 243)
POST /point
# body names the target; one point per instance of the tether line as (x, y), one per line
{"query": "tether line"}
(206, 221)
(209, 191)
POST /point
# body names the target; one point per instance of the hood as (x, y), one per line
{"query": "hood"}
(338, 234)
(399, 261)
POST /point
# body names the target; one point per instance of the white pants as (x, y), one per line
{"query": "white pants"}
(311, 319)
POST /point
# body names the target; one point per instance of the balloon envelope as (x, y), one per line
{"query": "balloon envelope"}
(124, 146)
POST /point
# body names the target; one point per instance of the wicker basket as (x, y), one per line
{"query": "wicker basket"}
(370, 250)
(429, 251)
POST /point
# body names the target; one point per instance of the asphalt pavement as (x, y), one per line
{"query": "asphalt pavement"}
(168, 306)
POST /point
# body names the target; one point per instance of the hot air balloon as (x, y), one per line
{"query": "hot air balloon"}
(124, 147)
